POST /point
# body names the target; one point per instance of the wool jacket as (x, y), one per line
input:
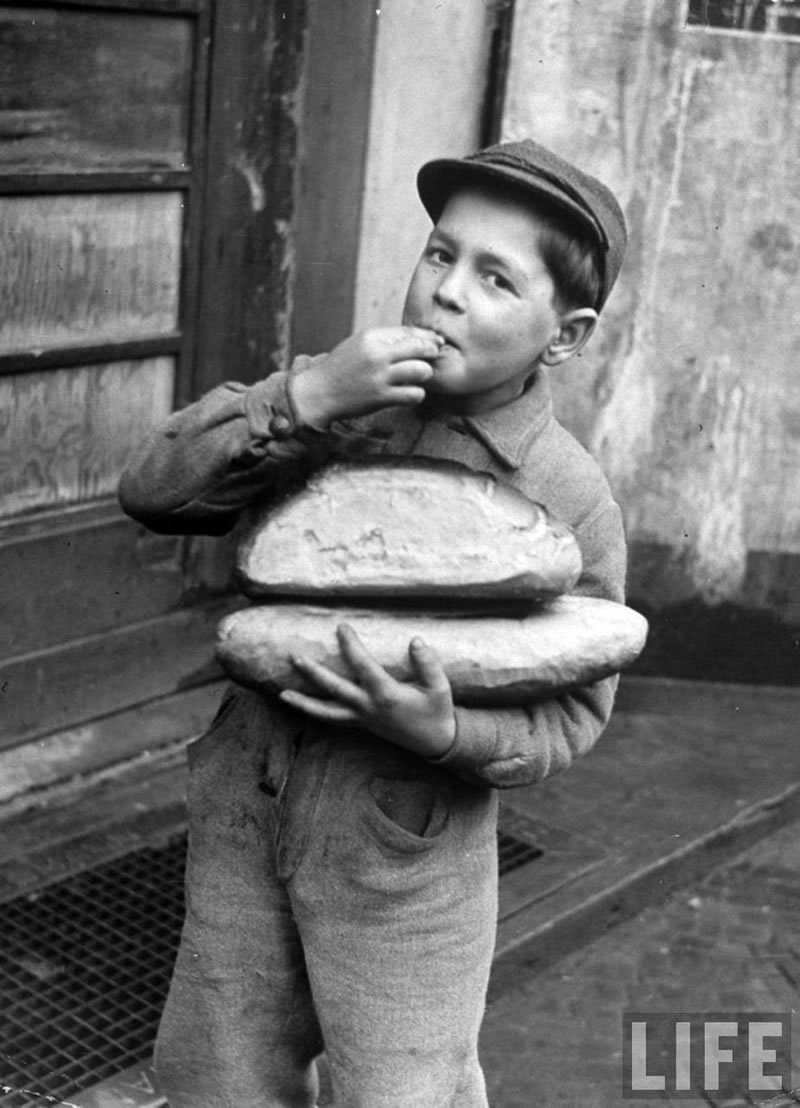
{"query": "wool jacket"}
(200, 470)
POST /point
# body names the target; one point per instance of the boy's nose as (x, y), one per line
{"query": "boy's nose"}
(450, 292)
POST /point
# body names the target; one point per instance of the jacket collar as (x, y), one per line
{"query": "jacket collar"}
(508, 432)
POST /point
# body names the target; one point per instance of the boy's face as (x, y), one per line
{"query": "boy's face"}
(482, 284)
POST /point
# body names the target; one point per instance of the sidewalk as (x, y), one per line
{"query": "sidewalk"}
(729, 944)
(687, 775)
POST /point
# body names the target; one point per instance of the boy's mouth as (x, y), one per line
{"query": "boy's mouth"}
(447, 341)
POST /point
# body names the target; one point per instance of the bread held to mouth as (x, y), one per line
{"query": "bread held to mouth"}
(496, 660)
(388, 527)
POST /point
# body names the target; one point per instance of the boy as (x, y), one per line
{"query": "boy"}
(342, 880)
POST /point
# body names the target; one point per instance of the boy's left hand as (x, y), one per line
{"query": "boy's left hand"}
(418, 716)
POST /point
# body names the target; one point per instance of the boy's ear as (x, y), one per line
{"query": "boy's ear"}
(575, 330)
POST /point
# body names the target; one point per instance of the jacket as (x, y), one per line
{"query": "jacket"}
(199, 471)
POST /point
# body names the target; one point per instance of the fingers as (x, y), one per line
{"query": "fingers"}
(406, 397)
(427, 666)
(407, 380)
(402, 343)
(374, 369)
(412, 371)
(326, 710)
(369, 673)
(329, 682)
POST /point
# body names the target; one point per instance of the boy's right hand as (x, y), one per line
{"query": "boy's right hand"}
(370, 370)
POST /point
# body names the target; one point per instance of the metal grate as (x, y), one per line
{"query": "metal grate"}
(85, 967)
(513, 852)
(84, 970)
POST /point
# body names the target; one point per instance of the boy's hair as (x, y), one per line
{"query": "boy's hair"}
(572, 262)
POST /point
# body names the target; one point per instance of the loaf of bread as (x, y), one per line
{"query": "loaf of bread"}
(400, 528)
(489, 660)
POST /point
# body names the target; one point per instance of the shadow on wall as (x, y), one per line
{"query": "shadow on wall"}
(752, 638)
(718, 642)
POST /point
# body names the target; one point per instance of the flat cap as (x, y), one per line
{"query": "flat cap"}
(533, 169)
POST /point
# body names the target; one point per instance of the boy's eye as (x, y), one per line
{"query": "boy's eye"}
(438, 255)
(499, 281)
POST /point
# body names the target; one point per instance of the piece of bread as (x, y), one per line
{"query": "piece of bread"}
(489, 660)
(400, 528)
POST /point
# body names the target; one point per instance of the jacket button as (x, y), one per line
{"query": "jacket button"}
(280, 427)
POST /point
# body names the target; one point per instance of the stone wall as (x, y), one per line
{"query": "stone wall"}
(690, 396)
(428, 90)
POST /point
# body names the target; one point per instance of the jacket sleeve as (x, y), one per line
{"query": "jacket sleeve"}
(506, 747)
(196, 472)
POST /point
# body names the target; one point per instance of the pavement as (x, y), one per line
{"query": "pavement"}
(617, 911)
(727, 944)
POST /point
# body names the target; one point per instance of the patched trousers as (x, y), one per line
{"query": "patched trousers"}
(341, 896)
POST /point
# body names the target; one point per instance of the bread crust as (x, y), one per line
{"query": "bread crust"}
(489, 660)
(389, 527)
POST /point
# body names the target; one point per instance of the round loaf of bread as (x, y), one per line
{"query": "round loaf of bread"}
(390, 527)
(489, 660)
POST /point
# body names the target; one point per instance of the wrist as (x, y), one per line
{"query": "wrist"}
(308, 400)
(434, 742)
(445, 737)
(446, 742)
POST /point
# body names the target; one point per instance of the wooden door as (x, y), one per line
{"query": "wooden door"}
(134, 135)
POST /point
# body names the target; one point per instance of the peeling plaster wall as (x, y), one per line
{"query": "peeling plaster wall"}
(690, 394)
(429, 80)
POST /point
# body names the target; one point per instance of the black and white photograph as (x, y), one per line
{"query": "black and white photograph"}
(399, 553)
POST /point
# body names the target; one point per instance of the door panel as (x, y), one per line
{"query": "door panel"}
(99, 674)
(65, 434)
(82, 571)
(88, 267)
(103, 116)
(146, 207)
(93, 89)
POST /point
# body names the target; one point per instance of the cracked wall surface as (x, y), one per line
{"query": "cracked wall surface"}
(690, 395)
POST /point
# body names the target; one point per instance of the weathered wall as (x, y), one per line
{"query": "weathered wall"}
(690, 396)
(429, 82)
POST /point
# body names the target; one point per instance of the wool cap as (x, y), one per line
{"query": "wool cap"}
(533, 169)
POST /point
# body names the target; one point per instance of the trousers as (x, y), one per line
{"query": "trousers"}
(341, 895)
